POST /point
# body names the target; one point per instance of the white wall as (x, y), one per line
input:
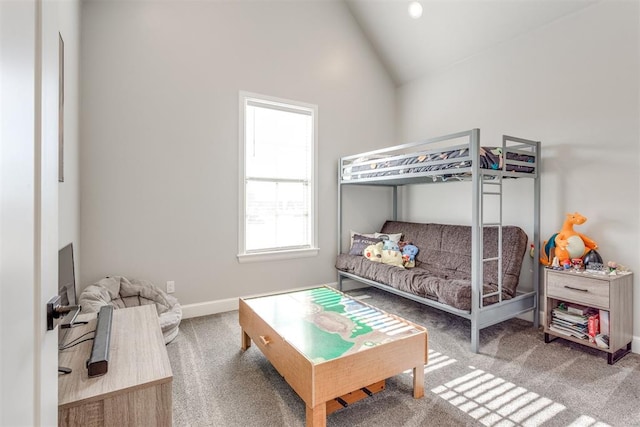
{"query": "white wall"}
(159, 133)
(69, 190)
(574, 85)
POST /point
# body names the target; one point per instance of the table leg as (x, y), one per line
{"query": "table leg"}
(317, 416)
(246, 340)
(418, 381)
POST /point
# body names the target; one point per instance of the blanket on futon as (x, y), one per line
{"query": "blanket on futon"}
(443, 265)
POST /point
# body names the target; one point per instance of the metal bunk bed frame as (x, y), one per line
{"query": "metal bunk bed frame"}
(479, 315)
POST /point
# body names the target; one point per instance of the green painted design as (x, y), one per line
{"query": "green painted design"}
(332, 301)
(323, 345)
(361, 329)
(329, 300)
(324, 324)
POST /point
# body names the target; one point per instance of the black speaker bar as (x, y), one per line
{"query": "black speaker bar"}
(98, 363)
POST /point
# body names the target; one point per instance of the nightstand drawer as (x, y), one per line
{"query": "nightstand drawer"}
(580, 289)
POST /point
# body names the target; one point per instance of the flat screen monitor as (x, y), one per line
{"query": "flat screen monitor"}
(67, 285)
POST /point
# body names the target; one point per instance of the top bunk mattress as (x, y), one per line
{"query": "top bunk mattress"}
(448, 164)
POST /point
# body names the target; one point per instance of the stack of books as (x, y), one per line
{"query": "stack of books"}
(573, 320)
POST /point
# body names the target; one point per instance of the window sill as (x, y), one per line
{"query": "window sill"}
(277, 256)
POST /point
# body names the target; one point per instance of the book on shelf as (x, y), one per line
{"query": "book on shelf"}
(563, 314)
(568, 324)
(604, 322)
(578, 309)
(568, 331)
(578, 321)
(593, 327)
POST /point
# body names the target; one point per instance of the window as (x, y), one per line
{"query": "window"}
(277, 174)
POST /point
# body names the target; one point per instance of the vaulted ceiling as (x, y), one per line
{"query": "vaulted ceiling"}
(449, 31)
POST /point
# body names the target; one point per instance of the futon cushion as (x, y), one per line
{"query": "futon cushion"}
(443, 264)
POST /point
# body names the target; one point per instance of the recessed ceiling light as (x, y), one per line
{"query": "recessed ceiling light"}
(415, 9)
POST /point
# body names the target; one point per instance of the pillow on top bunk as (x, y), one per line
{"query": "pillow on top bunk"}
(360, 243)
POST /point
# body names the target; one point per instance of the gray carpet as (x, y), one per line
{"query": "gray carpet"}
(516, 379)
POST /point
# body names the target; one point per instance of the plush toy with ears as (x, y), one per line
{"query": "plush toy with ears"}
(378, 253)
(373, 252)
(390, 245)
(568, 243)
(409, 253)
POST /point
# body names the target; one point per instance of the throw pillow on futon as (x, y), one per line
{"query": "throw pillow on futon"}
(360, 243)
(395, 237)
(353, 233)
(383, 236)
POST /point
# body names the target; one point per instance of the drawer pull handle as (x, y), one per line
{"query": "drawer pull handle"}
(264, 340)
(576, 289)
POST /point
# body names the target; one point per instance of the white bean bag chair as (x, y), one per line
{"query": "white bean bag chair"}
(121, 292)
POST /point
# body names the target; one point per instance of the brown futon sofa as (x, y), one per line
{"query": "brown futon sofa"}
(443, 265)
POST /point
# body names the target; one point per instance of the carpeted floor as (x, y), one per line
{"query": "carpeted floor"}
(516, 379)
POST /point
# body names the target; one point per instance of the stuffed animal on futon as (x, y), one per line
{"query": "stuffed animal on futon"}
(378, 253)
(568, 243)
(409, 253)
(391, 253)
(373, 252)
(390, 245)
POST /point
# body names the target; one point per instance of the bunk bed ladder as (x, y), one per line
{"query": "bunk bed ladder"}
(495, 182)
(487, 185)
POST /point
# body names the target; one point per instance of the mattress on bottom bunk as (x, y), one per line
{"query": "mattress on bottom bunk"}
(443, 264)
(417, 281)
(490, 158)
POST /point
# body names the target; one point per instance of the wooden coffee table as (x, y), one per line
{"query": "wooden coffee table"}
(328, 346)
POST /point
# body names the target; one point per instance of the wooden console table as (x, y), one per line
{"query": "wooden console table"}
(136, 390)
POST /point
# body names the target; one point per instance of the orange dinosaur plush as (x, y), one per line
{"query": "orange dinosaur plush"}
(568, 243)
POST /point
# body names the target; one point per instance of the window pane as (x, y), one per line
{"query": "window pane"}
(278, 181)
(278, 143)
(277, 215)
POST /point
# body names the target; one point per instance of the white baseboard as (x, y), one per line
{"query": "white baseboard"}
(209, 307)
(231, 304)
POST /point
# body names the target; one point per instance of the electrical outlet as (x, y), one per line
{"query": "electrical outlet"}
(171, 286)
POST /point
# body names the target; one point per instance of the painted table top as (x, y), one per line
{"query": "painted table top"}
(324, 324)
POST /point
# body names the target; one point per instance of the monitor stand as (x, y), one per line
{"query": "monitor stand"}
(69, 320)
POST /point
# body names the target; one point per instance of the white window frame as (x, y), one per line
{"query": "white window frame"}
(243, 255)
